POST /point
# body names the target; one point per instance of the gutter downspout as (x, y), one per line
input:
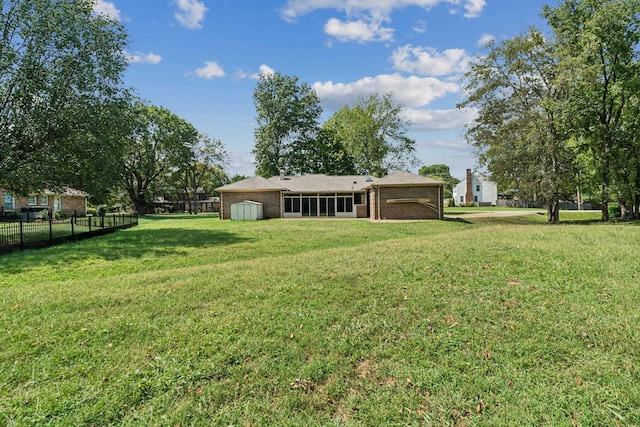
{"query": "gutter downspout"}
(440, 202)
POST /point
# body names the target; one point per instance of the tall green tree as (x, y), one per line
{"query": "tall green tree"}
(597, 47)
(287, 113)
(443, 173)
(61, 95)
(324, 153)
(628, 163)
(204, 165)
(518, 134)
(374, 133)
(159, 144)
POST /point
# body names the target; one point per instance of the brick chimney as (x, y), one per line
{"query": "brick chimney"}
(468, 197)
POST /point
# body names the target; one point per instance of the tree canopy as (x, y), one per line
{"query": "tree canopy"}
(160, 142)
(373, 132)
(61, 94)
(559, 112)
(287, 114)
(597, 51)
(442, 173)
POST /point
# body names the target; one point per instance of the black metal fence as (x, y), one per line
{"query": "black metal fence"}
(21, 235)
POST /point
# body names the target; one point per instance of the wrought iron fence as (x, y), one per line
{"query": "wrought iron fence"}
(21, 235)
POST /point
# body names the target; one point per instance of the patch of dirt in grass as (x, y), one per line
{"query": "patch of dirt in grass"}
(363, 369)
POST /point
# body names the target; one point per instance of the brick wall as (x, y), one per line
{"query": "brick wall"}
(406, 210)
(71, 204)
(270, 202)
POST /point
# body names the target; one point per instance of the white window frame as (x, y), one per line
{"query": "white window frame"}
(32, 200)
(57, 204)
(44, 201)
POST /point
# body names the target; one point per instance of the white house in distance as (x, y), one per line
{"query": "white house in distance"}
(476, 188)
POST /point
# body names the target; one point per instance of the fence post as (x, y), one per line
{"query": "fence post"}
(102, 221)
(21, 237)
(90, 220)
(50, 231)
(72, 231)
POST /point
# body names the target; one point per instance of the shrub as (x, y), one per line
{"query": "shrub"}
(101, 210)
(44, 214)
(468, 205)
(59, 215)
(451, 203)
(13, 216)
(615, 211)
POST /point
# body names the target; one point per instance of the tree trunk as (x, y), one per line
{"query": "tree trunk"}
(141, 206)
(553, 212)
(625, 212)
(604, 196)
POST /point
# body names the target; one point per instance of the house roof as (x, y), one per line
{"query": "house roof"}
(320, 183)
(256, 183)
(405, 178)
(67, 191)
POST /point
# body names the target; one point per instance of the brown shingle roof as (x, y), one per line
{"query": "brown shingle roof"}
(405, 178)
(256, 183)
(320, 183)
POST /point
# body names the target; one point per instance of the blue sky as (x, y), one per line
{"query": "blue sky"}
(200, 59)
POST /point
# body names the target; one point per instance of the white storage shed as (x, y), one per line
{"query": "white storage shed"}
(246, 211)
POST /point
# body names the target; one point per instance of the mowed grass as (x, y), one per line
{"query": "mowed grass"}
(195, 321)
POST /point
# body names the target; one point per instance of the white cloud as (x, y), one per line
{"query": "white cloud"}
(436, 120)
(359, 31)
(210, 71)
(485, 39)
(242, 163)
(295, 8)
(142, 58)
(420, 27)
(428, 61)
(455, 145)
(411, 91)
(106, 8)
(474, 8)
(190, 13)
(263, 69)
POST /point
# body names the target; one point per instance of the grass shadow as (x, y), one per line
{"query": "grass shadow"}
(457, 219)
(133, 243)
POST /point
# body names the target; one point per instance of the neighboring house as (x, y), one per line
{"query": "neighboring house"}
(70, 201)
(475, 188)
(204, 202)
(400, 195)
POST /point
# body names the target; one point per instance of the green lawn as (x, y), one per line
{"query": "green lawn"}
(195, 321)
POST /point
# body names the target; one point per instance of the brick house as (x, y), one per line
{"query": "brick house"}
(400, 195)
(69, 201)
